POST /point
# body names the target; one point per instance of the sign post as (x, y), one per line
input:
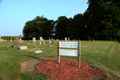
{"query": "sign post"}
(79, 51)
(68, 52)
(58, 53)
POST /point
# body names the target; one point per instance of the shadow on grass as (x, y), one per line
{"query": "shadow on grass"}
(33, 57)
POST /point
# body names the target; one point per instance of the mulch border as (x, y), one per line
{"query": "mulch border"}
(29, 66)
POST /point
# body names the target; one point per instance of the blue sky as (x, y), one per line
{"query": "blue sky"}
(15, 13)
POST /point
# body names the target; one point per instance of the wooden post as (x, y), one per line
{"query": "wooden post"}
(79, 52)
(58, 53)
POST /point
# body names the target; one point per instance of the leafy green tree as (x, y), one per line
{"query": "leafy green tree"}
(79, 26)
(61, 27)
(40, 26)
(104, 18)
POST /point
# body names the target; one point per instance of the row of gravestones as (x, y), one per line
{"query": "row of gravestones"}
(53, 41)
(41, 39)
(34, 39)
(2, 39)
(66, 39)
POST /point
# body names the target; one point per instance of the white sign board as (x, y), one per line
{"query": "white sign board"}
(67, 52)
(69, 44)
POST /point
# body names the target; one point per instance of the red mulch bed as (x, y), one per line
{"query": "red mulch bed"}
(67, 70)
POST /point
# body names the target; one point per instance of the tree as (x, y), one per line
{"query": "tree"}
(79, 26)
(61, 27)
(104, 17)
(40, 26)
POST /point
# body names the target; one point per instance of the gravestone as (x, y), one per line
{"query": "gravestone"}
(68, 38)
(57, 39)
(16, 44)
(11, 40)
(23, 47)
(43, 41)
(40, 43)
(34, 39)
(49, 41)
(16, 39)
(20, 40)
(39, 51)
(51, 45)
(53, 40)
(41, 38)
(65, 39)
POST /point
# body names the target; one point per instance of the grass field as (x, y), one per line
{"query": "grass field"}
(104, 55)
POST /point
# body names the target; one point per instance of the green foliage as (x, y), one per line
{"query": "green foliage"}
(40, 26)
(103, 17)
(61, 27)
(9, 37)
(100, 21)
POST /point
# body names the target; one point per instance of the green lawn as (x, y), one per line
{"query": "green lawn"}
(104, 55)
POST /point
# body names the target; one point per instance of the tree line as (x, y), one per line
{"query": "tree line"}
(100, 21)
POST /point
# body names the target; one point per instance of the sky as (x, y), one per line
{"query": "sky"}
(15, 13)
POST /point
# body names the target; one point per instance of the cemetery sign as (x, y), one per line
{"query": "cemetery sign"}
(68, 52)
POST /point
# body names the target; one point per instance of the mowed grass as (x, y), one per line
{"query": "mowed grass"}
(104, 55)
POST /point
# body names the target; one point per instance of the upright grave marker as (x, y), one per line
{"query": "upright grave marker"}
(43, 41)
(68, 52)
(53, 40)
(34, 39)
(68, 38)
(16, 44)
(41, 38)
(11, 40)
(49, 41)
(65, 39)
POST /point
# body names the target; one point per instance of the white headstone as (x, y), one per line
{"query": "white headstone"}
(40, 43)
(43, 41)
(49, 41)
(41, 38)
(65, 39)
(23, 47)
(68, 38)
(39, 51)
(11, 40)
(34, 39)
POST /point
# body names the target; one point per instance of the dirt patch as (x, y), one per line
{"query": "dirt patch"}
(68, 66)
